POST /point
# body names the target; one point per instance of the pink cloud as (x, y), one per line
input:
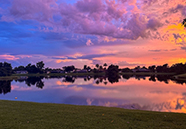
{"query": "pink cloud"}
(89, 43)
(123, 19)
(8, 57)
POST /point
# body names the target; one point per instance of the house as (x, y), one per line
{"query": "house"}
(56, 71)
(21, 72)
(140, 70)
(80, 71)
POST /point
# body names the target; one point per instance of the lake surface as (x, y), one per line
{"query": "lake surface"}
(142, 92)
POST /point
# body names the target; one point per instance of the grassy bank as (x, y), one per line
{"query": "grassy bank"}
(182, 75)
(16, 76)
(146, 73)
(24, 115)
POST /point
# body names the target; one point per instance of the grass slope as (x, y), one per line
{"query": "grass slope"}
(25, 115)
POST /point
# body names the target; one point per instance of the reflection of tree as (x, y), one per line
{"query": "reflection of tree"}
(152, 78)
(179, 105)
(5, 87)
(40, 84)
(113, 73)
(163, 78)
(114, 79)
(69, 79)
(126, 76)
(35, 81)
(178, 81)
(97, 82)
(105, 83)
(99, 79)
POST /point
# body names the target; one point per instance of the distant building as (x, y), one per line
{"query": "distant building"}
(140, 70)
(80, 71)
(56, 71)
(21, 72)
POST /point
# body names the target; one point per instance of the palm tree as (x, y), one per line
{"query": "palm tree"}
(105, 65)
(97, 66)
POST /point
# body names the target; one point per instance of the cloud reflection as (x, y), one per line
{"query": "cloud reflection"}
(131, 93)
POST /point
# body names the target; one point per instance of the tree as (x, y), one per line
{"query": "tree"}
(126, 70)
(163, 68)
(152, 68)
(85, 67)
(101, 67)
(5, 69)
(32, 68)
(97, 66)
(105, 65)
(113, 73)
(88, 68)
(68, 68)
(20, 68)
(40, 65)
(144, 67)
(138, 67)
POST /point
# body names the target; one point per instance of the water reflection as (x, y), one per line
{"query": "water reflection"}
(37, 81)
(32, 81)
(5, 87)
(143, 92)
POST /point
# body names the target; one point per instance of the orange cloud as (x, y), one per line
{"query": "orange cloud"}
(65, 60)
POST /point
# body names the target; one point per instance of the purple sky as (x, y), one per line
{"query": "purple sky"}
(78, 32)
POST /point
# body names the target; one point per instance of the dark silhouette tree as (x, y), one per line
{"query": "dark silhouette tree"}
(97, 66)
(5, 87)
(126, 70)
(68, 68)
(5, 69)
(88, 68)
(101, 67)
(113, 73)
(40, 65)
(20, 68)
(85, 67)
(152, 68)
(37, 81)
(69, 79)
(105, 65)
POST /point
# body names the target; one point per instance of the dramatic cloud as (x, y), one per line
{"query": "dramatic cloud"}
(114, 31)
(118, 19)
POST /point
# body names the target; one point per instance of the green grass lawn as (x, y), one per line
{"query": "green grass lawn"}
(25, 115)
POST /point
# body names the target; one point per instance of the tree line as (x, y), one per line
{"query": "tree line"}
(7, 70)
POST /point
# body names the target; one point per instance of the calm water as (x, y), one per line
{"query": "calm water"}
(144, 93)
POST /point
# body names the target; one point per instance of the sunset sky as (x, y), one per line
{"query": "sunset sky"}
(77, 32)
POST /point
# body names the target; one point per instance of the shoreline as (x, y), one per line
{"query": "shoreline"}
(16, 76)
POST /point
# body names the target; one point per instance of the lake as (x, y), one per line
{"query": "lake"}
(153, 93)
